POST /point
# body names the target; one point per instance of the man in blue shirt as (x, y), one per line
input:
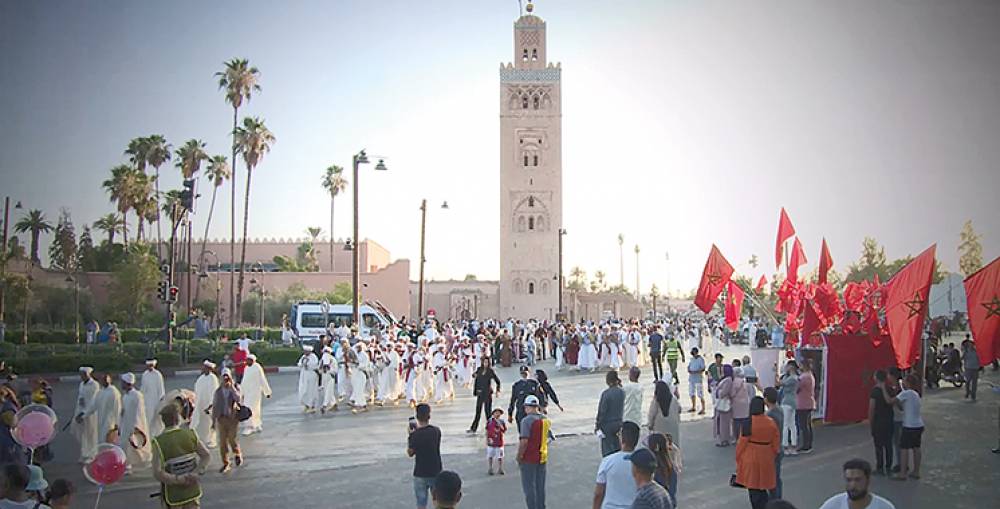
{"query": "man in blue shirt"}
(696, 379)
(655, 352)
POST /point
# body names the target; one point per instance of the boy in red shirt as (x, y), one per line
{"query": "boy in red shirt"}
(495, 428)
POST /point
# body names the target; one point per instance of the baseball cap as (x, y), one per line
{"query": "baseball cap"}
(530, 400)
(644, 460)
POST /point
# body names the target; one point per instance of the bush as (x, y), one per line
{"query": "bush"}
(279, 356)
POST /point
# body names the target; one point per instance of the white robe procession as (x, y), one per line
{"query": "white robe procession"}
(254, 389)
(328, 367)
(343, 377)
(108, 409)
(632, 348)
(308, 381)
(426, 381)
(133, 419)
(201, 422)
(152, 392)
(86, 431)
(388, 379)
(560, 352)
(588, 352)
(443, 387)
(359, 377)
(411, 374)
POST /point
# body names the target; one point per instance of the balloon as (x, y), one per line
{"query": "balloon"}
(34, 426)
(107, 467)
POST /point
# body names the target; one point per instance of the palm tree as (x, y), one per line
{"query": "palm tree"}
(144, 201)
(110, 224)
(335, 183)
(621, 259)
(217, 172)
(599, 276)
(190, 157)
(157, 153)
(239, 80)
(122, 188)
(577, 275)
(35, 223)
(253, 140)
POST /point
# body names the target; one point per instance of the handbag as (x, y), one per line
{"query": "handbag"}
(243, 413)
(723, 404)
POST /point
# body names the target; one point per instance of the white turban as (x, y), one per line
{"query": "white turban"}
(252, 357)
(128, 378)
(86, 369)
(307, 348)
(151, 362)
(208, 364)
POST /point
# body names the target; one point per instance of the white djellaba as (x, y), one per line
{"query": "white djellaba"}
(328, 366)
(411, 374)
(204, 393)
(389, 376)
(86, 429)
(152, 392)
(133, 420)
(343, 376)
(308, 380)
(254, 389)
(359, 377)
(108, 409)
(442, 376)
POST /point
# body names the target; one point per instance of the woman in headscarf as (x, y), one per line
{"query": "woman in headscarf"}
(664, 414)
(668, 462)
(723, 429)
(755, 453)
(740, 397)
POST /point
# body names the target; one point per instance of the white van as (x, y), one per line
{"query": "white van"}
(309, 319)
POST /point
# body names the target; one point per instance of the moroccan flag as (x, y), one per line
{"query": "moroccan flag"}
(982, 291)
(906, 305)
(797, 260)
(825, 262)
(734, 305)
(761, 283)
(717, 273)
(811, 322)
(785, 232)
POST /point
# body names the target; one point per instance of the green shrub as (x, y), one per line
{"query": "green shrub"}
(279, 356)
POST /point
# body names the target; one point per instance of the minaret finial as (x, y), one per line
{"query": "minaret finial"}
(530, 7)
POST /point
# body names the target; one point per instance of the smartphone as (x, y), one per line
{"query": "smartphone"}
(412, 424)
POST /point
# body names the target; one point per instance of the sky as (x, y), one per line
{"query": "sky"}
(685, 123)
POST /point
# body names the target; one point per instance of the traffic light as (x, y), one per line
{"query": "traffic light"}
(187, 195)
(162, 290)
(172, 294)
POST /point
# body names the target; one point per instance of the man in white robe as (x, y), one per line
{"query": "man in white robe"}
(107, 407)
(84, 425)
(134, 438)
(152, 392)
(443, 387)
(342, 354)
(328, 367)
(388, 377)
(204, 394)
(254, 389)
(360, 368)
(632, 341)
(411, 373)
(308, 379)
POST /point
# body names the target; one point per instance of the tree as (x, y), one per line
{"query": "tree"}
(63, 253)
(970, 250)
(253, 141)
(239, 81)
(189, 158)
(599, 278)
(133, 282)
(110, 224)
(217, 172)
(470, 277)
(86, 258)
(15, 250)
(871, 263)
(123, 188)
(157, 153)
(35, 223)
(898, 264)
(577, 278)
(334, 183)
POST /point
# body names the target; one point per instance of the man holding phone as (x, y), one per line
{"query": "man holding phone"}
(424, 443)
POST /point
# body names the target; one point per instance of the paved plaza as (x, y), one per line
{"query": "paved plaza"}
(348, 461)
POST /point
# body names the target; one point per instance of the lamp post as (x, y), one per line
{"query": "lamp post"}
(423, 232)
(216, 317)
(562, 231)
(76, 303)
(358, 159)
(3, 260)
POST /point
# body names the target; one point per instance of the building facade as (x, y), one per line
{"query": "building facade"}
(530, 176)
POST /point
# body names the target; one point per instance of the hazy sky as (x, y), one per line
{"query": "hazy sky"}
(684, 122)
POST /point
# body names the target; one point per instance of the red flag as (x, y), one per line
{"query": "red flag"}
(854, 296)
(906, 305)
(785, 232)
(825, 262)
(717, 273)
(761, 283)
(734, 305)
(797, 260)
(811, 322)
(982, 290)
(828, 304)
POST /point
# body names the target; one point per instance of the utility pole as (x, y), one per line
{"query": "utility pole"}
(3, 259)
(420, 285)
(562, 231)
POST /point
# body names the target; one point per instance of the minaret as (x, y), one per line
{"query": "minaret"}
(530, 176)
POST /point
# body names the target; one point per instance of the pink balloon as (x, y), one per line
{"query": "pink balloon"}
(34, 430)
(107, 467)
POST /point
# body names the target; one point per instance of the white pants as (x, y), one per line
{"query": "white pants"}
(789, 433)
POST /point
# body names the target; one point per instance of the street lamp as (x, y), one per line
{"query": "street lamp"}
(562, 231)
(218, 283)
(76, 302)
(423, 231)
(358, 159)
(3, 259)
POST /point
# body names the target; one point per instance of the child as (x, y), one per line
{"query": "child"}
(495, 428)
